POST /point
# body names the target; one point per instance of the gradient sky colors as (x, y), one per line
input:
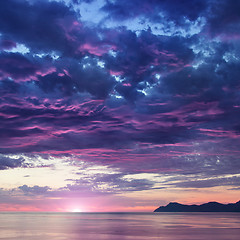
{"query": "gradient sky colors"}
(110, 105)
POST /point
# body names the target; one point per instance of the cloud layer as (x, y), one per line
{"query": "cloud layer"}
(154, 90)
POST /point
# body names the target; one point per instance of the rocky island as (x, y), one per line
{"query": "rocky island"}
(206, 207)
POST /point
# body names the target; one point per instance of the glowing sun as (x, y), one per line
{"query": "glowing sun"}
(76, 210)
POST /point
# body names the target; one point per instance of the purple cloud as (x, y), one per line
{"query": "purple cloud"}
(132, 98)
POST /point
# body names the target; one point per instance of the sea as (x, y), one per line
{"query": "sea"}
(120, 226)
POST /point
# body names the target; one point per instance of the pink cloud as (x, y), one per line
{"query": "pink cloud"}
(96, 50)
(127, 84)
(115, 73)
(219, 133)
(46, 71)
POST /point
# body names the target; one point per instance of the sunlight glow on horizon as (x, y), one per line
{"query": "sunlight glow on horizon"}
(76, 210)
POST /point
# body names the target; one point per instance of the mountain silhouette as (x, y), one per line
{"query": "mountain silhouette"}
(206, 207)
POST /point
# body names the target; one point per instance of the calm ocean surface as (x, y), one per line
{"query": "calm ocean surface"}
(111, 226)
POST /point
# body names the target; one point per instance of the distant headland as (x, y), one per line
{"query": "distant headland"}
(206, 207)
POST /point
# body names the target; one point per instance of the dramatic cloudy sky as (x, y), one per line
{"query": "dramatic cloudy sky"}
(118, 105)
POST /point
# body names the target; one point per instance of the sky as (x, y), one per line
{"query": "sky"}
(118, 105)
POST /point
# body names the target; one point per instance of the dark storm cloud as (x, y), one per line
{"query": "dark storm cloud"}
(8, 87)
(189, 80)
(140, 57)
(8, 162)
(174, 10)
(88, 76)
(208, 183)
(7, 44)
(49, 27)
(16, 66)
(134, 100)
(35, 190)
(115, 183)
(37, 25)
(224, 19)
(5, 133)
